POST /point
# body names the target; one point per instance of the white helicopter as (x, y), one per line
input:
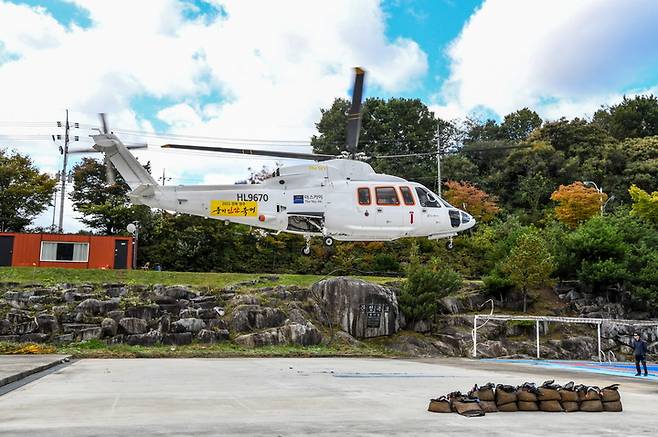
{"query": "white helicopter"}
(333, 198)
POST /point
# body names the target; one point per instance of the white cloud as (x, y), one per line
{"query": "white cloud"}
(550, 54)
(272, 64)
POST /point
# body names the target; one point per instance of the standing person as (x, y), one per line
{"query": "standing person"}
(640, 353)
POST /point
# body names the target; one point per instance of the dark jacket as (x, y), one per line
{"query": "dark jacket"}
(639, 347)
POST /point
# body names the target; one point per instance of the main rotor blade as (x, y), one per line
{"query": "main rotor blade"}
(272, 153)
(354, 114)
(103, 117)
(128, 146)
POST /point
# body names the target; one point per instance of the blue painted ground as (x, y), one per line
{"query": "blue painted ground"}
(613, 369)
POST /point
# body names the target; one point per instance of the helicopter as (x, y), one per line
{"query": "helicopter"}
(336, 197)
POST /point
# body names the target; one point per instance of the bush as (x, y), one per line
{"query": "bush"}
(497, 285)
(423, 289)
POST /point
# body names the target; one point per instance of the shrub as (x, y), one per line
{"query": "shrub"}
(423, 289)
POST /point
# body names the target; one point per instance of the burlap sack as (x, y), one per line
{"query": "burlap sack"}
(508, 408)
(527, 406)
(613, 407)
(488, 406)
(527, 392)
(610, 393)
(570, 407)
(568, 396)
(549, 394)
(440, 405)
(588, 394)
(484, 393)
(467, 407)
(505, 394)
(552, 406)
(592, 406)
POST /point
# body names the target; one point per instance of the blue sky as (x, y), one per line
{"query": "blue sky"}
(261, 70)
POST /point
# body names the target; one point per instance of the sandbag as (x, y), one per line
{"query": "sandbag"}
(552, 406)
(570, 407)
(527, 406)
(549, 394)
(488, 406)
(484, 393)
(610, 393)
(592, 406)
(527, 392)
(586, 393)
(440, 405)
(568, 396)
(505, 394)
(467, 407)
(613, 407)
(508, 408)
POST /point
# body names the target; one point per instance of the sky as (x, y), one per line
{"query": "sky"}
(247, 72)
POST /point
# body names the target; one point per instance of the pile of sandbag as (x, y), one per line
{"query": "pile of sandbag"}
(548, 397)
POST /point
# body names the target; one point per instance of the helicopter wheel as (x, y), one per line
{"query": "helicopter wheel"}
(328, 241)
(306, 250)
(449, 244)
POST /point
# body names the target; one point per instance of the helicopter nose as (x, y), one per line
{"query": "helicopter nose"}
(467, 220)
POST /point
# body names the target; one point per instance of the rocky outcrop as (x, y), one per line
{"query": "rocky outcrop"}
(360, 308)
(253, 317)
(291, 333)
(133, 325)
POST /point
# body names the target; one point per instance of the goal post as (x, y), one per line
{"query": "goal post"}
(537, 319)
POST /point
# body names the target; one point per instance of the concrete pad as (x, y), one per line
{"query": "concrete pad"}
(17, 367)
(338, 396)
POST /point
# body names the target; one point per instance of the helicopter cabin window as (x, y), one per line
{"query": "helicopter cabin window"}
(364, 196)
(387, 196)
(427, 199)
(407, 196)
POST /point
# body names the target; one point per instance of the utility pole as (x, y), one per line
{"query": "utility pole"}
(63, 174)
(164, 178)
(438, 160)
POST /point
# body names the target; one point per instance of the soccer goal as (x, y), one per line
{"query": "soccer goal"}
(486, 318)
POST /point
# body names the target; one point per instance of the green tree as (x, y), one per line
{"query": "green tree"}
(529, 264)
(24, 191)
(105, 208)
(645, 205)
(631, 118)
(518, 125)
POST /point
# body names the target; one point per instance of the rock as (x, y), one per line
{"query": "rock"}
(216, 324)
(148, 339)
(116, 315)
(92, 307)
(73, 295)
(205, 302)
(421, 326)
(207, 336)
(145, 312)
(222, 334)
(462, 304)
(164, 324)
(210, 313)
(178, 292)
(188, 325)
(25, 328)
(188, 313)
(177, 339)
(18, 316)
(419, 346)
(292, 333)
(92, 333)
(302, 334)
(344, 337)
(109, 327)
(64, 338)
(491, 349)
(35, 337)
(245, 299)
(9, 338)
(133, 325)
(47, 323)
(360, 308)
(115, 290)
(252, 317)
(5, 327)
(74, 328)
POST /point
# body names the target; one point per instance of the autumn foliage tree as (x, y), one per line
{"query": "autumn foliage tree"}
(577, 203)
(477, 202)
(645, 205)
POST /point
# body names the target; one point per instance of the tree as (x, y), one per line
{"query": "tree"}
(105, 208)
(477, 202)
(529, 264)
(577, 203)
(24, 191)
(517, 126)
(645, 205)
(632, 118)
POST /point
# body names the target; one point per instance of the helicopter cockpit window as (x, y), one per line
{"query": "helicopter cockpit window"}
(407, 196)
(427, 199)
(364, 196)
(386, 196)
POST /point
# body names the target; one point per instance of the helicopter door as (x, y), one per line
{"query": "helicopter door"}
(365, 207)
(390, 213)
(432, 215)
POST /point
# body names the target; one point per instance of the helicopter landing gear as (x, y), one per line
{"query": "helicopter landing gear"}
(307, 249)
(328, 241)
(449, 244)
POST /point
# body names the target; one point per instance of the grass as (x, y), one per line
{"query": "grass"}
(98, 349)
(53, 276)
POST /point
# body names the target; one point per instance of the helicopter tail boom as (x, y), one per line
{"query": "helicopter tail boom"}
(127, 165)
